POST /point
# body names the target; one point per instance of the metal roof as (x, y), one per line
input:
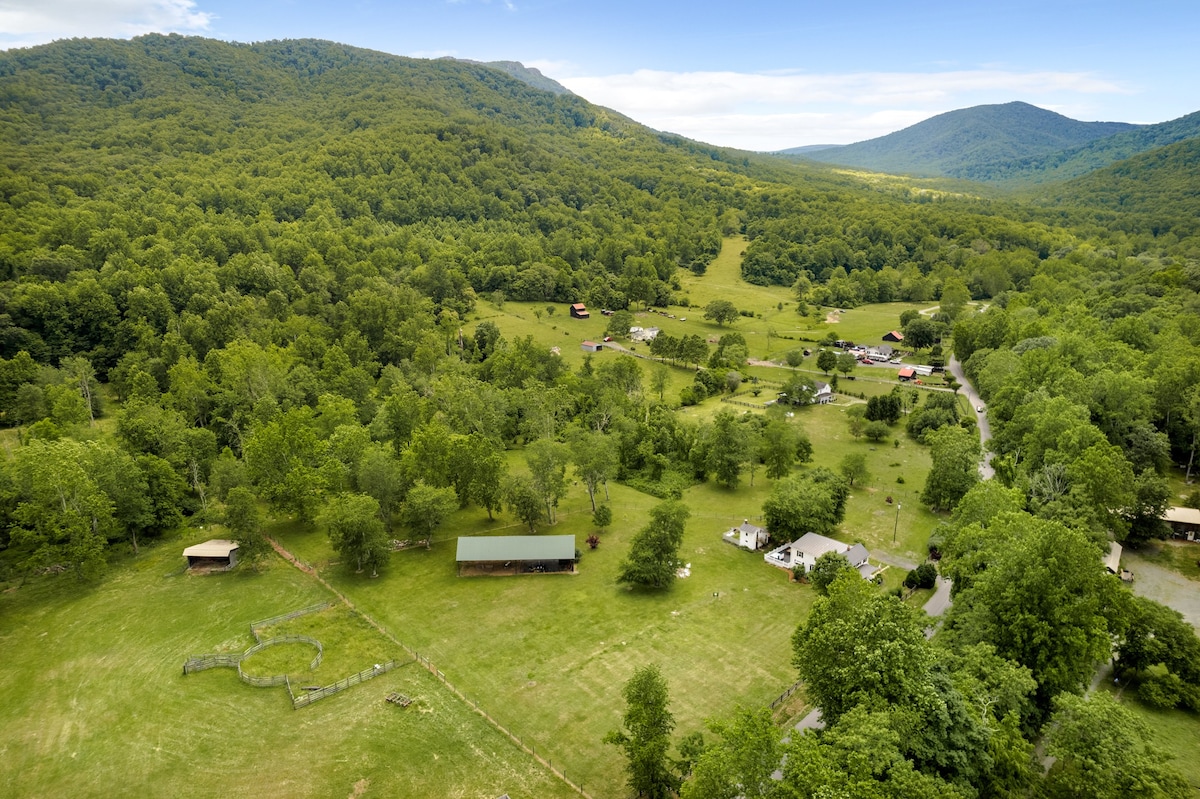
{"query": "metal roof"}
(1182, 515)
(516, 547)
(815, 545)
(214, 548)
(1112, 561)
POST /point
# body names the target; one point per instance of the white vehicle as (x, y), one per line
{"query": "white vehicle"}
(896, 361)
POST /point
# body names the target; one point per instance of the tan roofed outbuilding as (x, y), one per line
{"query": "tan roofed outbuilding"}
(215, 552)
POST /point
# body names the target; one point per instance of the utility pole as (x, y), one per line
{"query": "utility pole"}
(897, 524)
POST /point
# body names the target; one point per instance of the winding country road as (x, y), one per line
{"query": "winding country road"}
(985, 430)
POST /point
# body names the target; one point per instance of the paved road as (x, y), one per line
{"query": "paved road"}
(985, 430)
(939, 603)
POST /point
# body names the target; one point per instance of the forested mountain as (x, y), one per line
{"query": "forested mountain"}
(971, 143)
(808, 148)
(530, 75)
(1155, 190)
(1096, 154)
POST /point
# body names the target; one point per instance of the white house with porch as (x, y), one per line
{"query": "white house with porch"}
(805, 550)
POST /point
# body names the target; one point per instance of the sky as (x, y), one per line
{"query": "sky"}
(752, 74)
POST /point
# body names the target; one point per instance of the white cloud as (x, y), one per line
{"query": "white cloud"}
(25, 22)
(768, 111)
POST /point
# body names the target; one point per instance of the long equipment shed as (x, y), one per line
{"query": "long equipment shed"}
(515, 554)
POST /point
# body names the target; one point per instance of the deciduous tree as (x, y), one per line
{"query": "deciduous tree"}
(721, 311)
(654, 552)
(955, 469)
(244, 522)
(1103, 750)
(356, 532)
(646, 737)
(426, 507)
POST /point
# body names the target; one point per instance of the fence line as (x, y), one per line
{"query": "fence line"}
(307, 698)
(255, 625)
(784, 696)
(202, 662)
(528, 747)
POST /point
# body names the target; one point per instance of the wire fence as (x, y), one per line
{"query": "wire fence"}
(304, 699)
(524, 744)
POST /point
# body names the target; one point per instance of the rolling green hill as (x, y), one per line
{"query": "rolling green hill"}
(1096, 154)
(1156, 190)
(970, 143)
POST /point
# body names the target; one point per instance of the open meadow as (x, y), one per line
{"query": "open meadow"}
(547, 655)
(93, 701)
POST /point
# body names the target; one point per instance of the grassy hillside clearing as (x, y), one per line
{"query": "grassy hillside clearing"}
(93, 701)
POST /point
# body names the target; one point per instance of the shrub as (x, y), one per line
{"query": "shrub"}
(924, 576)
(1160, 691)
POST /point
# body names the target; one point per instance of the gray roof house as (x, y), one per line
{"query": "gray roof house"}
(805, 550)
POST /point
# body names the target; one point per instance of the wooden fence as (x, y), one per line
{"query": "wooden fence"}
(784, 696)
(256, 625)
(202, 662)
(308, 697)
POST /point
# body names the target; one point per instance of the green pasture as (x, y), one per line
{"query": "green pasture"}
(770, 333)
(548, 654)
(93, 701)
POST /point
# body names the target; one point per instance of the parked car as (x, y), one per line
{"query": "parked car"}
(608, 338)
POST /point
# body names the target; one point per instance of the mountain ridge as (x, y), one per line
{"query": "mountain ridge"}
(971, 142)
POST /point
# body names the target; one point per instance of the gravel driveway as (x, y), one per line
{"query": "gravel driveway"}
(1165, 586)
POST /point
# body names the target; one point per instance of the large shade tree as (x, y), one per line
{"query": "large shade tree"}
(646, 737)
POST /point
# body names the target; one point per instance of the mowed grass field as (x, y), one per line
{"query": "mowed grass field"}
(93, 701)
(548, 655)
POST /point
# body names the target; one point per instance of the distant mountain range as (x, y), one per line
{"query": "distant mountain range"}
(1014, 145)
